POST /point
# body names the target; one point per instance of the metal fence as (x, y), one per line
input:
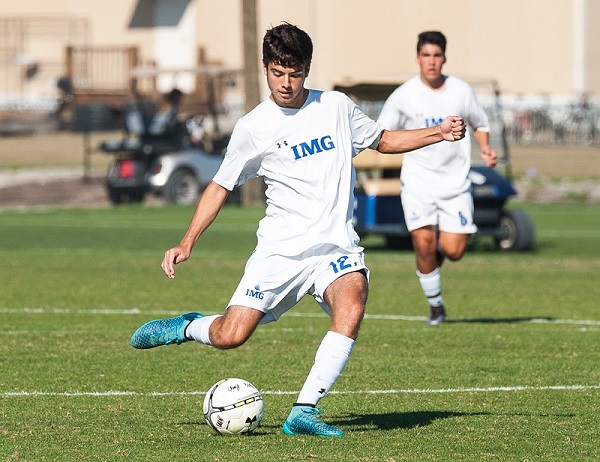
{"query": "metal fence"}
(569, 124)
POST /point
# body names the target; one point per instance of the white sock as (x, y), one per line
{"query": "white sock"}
(198, 329)
(332, 355)
(432, 287)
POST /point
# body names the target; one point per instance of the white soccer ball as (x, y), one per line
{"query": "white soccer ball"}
(233, 406)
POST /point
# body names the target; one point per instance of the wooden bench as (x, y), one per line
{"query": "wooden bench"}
(370, 165)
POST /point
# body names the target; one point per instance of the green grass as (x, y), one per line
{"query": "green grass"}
(515, 376)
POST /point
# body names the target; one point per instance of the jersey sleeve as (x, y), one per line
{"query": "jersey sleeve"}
(391, 116)
(366, 133)
(241, 162)
(476, 118)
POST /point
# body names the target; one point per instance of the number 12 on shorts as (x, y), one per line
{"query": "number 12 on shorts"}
(340, 264)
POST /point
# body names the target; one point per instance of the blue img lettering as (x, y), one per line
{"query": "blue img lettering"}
(314, 146)
(432, 122)
(254, 294)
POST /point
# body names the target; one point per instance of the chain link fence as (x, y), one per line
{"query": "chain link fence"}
(567, 124)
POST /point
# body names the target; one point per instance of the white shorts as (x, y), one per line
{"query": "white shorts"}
(273, 283)
(452, 215)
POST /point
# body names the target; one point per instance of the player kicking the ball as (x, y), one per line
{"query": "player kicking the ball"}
(302, 143)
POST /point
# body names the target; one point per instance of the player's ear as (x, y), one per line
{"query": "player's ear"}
(307, 70)
(264, 68)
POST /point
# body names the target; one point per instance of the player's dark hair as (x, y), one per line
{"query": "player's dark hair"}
(431, 36)
(287, 46)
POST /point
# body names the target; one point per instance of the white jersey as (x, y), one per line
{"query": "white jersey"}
(305, 156)
(439, 170)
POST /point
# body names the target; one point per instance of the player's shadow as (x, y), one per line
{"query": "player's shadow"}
(511, 320)
(396, 420)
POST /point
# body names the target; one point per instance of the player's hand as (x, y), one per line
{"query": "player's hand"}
(453, 128)
(489, 156)
(173, 257)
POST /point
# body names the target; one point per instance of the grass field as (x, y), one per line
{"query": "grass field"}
(515, 375)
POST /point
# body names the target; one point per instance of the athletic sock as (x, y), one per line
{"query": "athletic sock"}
(330, 359)
(432, 287)
(198, 329)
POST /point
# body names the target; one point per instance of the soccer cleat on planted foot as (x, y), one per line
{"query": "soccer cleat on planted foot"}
(437, 316)
(163, 332)
(303, 420)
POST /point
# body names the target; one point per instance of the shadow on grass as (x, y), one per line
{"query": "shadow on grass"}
(498, 320)
(395, 420)
(386, 421)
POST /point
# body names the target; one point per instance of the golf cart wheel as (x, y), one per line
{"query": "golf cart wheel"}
(119, 196)
(398, 242)
(517, 231)
(182, 188)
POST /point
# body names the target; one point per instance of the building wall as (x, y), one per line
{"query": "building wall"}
(591, 44)
(527, 46)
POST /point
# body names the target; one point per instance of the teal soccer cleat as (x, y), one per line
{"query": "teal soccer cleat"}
(303, 420)
(163, 332)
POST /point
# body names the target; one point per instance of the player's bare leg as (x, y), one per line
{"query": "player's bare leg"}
(235, 327)
(425, 243)
(346, 297)
(453, 245)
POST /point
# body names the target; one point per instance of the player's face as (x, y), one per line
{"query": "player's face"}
(431, 58)
(286, 85)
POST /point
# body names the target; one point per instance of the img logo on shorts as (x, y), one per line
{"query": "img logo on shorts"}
(255, 292)
(463, 219)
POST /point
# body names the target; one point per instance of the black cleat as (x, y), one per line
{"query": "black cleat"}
(437, 316)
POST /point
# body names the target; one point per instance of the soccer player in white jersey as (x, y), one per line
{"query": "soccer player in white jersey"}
(302, 143)
(436, 198)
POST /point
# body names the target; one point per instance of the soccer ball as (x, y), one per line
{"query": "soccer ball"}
(233, 406)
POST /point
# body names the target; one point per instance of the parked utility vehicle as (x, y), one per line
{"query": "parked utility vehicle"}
(170, 166)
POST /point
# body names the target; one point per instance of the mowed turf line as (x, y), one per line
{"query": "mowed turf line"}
(515, 376)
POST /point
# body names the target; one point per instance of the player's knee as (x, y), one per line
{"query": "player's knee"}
(424, 250)
(455, 254)
(225, 338)
(358, 309)
(354, 314)
(225, 342)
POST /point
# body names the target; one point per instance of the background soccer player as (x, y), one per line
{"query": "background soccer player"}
(437, 203)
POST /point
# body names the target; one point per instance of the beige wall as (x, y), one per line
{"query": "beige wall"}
(526, 45)
(592, 47)
(530, 47)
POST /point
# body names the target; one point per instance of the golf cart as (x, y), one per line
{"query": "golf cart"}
(378, 208)
(178, 161)
(170, 166)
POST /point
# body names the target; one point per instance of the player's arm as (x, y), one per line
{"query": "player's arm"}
(209, 205)
(398, 141)
(485, 150)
